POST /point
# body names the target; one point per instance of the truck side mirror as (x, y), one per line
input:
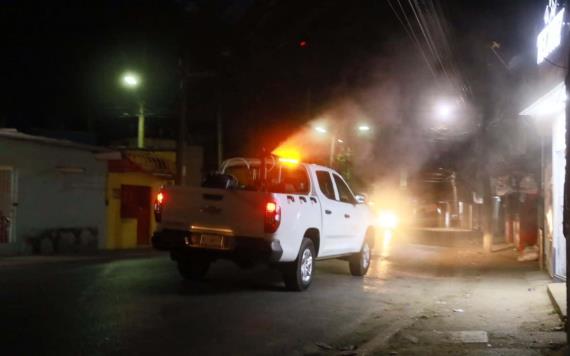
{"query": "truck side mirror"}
(360, 198)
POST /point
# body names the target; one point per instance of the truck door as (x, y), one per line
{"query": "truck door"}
(351, 215)
(335, 231)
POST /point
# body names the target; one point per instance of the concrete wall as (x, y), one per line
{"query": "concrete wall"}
(48, 197)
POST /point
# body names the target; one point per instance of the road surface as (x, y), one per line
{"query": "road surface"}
(415, 300)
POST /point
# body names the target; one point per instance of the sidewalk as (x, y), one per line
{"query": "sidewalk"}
(460, 301)
(100, 255)
(494, 306)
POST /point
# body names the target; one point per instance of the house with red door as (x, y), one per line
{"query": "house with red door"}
(134, 179)
(59, 197)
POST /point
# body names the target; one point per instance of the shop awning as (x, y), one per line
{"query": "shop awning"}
(146, 162)
(550, 103)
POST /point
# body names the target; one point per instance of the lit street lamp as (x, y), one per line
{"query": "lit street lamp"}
(132, 81)
(321, 130)
(334, 139)
(444, 110)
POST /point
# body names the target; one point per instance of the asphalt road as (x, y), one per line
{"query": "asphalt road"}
(141, 306)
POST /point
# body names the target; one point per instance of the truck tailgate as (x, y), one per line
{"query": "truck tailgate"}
(230, 212)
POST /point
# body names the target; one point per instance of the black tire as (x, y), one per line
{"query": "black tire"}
(360, 262)
(294, 271)
(193, 268)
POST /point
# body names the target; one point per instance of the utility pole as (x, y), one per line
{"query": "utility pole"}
(332, 151)
(220, 136)
(181, 142)
(566, 211)
(484, 175)
(181, 167)
(140, 135)
(219, 122)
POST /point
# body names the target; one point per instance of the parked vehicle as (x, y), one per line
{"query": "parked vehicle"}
(441, 201)
(279, 212)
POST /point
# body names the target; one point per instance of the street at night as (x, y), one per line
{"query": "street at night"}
(416, 299)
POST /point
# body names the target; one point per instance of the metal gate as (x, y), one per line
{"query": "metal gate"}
(7, 213)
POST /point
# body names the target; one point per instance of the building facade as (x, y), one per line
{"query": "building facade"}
(51, 195)
(135, 178)
(548, 112)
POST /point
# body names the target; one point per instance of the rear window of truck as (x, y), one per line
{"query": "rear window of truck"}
(280, 178)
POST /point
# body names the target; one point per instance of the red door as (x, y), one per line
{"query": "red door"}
(135, 204)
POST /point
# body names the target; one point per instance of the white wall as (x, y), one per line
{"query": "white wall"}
(49, 198)
(558, 173)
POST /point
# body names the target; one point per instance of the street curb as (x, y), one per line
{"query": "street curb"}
(502, 247)
(101, 255)
(557, 294)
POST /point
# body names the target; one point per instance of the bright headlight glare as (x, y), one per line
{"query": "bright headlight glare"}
(387, 220)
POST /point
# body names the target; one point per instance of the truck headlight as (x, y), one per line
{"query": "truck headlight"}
(387, 220)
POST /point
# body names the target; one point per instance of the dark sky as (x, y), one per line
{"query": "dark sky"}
(61, 61)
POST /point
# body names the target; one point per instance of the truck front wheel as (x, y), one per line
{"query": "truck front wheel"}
(193, 268)
(360, 262)
(298, 274)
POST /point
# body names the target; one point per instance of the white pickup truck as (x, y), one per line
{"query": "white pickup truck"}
(286, 214)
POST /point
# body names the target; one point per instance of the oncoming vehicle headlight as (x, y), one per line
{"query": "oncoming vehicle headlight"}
(387, 220)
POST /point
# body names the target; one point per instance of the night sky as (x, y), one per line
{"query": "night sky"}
(61, 63)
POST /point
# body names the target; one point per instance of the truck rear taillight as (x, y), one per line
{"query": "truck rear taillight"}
(272, 216)
(158, 205)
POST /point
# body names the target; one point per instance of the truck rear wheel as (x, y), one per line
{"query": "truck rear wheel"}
(193, 268)
(298, 274)
(360, 262)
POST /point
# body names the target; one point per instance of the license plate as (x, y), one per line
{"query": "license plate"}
(212, 241)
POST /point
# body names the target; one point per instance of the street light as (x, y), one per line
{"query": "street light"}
(321, 130)
(443, 110)
(334, 139)
(132, 81)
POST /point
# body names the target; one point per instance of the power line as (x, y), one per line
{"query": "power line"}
(424, 27)
(448, 67)
(425, 31)
(437, 10)
(440, 50)
(411, 33)
(400, 19)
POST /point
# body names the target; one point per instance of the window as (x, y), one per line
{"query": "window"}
(289, 180)
(280, 179)
(326, 184)
(246, 177)
(344, 192)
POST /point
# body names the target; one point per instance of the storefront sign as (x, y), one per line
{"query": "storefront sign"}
(550, 37)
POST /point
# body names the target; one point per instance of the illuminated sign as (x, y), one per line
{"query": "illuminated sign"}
(550, 37)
